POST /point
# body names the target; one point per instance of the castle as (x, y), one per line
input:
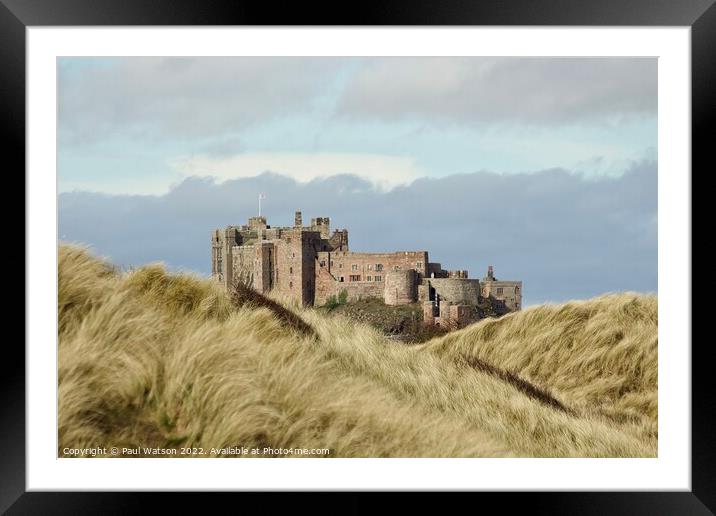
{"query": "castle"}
(310, 265)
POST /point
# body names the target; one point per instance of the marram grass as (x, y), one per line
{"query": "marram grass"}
(151, 359)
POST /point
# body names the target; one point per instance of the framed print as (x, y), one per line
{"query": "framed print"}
(445, 248)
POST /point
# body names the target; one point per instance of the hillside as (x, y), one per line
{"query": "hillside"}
(152, 359)
(402, 323)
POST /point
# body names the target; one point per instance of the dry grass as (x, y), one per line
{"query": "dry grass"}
(152, 359)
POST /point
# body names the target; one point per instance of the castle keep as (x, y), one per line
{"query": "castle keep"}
(310, 264)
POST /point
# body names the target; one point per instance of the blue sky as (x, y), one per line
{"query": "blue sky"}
(136, 132)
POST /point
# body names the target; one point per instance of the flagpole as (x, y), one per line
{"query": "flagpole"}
(261, 196)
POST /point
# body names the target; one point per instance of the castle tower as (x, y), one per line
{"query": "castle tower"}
(298, 220)
(490, 274)
(222, 242)
(257, 223)
(323, 225)
(400, 287)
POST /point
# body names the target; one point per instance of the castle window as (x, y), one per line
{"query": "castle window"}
(396, 267)
(379, 266)
(379, 278)
(355, 277)
(290, 270)
(419, 265)
(290, 284)
(219, 262)
(340, 279)
(323, 263)
(340, 265)
(370, 266)
(369, 278)
(499, 291)
(354, 267)
(331, 263)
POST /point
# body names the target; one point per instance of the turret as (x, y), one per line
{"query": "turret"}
(257, 223)
(490, 274)
(322, 224)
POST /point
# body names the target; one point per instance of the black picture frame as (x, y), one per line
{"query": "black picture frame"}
(700, 15)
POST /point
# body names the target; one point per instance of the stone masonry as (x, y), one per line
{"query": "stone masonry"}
(310, 264)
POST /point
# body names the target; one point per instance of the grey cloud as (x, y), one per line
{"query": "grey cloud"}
(209, 98)
(504, 90)
(181, 97)
(565, 236)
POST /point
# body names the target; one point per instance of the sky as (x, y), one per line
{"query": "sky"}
(543, 167)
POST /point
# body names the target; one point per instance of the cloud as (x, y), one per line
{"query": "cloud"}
(181, 97)
(504, 90)
(216, 99)
(383, 172)
(564, 235)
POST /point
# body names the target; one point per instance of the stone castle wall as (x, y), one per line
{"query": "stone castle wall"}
(327, 286)
(365, 275)
(358, 291)
(289, 266)
(362, 266)
(507, 293)
(243, 261)
(455, 290)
